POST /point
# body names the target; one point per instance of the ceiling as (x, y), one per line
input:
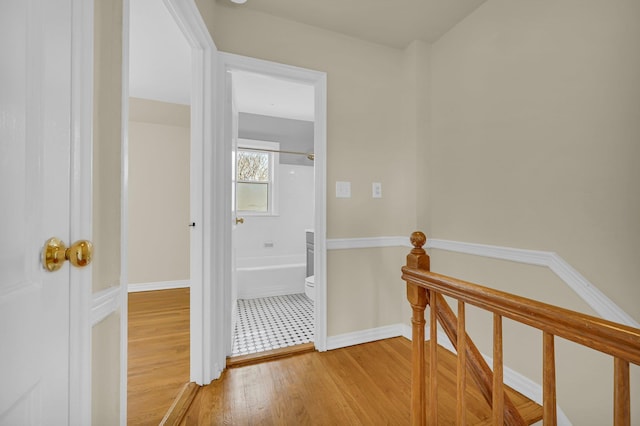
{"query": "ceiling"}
(160, 56)
(265, 95)
(394, 23)
(160, 69)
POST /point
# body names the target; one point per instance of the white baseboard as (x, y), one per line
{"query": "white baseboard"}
(364, 336)
(104, 303)
(161, 285)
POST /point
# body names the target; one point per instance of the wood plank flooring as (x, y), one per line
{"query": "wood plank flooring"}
(367, 384)
(158, 359)
(360, 385)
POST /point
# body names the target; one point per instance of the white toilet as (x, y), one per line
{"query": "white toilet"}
(310, 287)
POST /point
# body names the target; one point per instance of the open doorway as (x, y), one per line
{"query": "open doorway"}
(158, 219)
(228, 119)
(210, 171)
(273, 292)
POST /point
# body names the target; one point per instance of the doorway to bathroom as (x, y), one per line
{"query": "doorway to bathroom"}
(273, 194)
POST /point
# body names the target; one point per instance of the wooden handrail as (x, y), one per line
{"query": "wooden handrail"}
(596, 333)
(620, 341)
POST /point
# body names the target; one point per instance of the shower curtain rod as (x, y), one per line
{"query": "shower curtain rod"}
(309, 155)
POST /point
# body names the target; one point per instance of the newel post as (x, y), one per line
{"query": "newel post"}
(417, 297)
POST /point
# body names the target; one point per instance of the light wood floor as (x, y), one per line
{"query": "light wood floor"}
(360, 385)
(158, 352)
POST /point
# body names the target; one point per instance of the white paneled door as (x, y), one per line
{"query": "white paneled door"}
(35, 198)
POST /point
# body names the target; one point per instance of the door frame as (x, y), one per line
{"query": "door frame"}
(205, 260)
(80, 214)
(318, 79)
(210, 194)
(202, 262)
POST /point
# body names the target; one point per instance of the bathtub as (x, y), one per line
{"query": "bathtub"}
(270, 275)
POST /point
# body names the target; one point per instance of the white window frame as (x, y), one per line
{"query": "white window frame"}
(274, 162)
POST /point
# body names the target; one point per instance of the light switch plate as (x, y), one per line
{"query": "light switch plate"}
(343, 189)
(376, 190)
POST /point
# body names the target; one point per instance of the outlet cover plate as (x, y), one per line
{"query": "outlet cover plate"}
(343, 189)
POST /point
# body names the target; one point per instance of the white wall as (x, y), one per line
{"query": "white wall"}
(286, 230)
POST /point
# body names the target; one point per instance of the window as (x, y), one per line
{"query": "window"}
(255, 177)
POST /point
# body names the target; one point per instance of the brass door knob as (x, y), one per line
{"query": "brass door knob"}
(239, 220)
(55, 253)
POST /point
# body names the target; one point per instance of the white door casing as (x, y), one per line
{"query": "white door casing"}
(231, 62)
(206, 261)
(232, 121)
(44, 144)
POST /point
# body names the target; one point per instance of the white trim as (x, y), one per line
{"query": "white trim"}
(160, 285)
(229, 61)
(206, 263)
(320, 224)
(371, 242)
(365, 336)
(105, 302)
(597, 300)
(80, 215)
(124, 220)
(270, 267)
(531, 257)
(406, 331)
(272, 185)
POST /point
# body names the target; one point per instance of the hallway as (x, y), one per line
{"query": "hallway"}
(158, 353)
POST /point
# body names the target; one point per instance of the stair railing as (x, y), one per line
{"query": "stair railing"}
(425, 288)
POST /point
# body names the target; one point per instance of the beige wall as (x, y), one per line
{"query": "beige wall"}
(416, 124)
(365, 290)
(535, 111)
(371, 138)
(107, 174)
(105, 397)
(366, 140)
(159, 146)
(524, 122)
(536, 125)
(107, 129)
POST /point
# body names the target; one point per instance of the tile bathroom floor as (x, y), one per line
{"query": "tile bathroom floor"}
(272, 322)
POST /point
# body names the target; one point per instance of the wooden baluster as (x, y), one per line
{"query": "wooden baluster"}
(550, 417)
(433, 359)
(417, 297)
(461, 404)
(621, 393)
(498, 391)
(478, 368)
